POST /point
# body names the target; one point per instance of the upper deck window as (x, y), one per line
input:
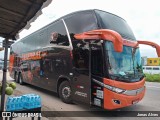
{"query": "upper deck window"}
(58, 34)
(110, 21)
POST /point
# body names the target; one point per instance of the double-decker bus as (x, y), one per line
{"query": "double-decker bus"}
(89, 56)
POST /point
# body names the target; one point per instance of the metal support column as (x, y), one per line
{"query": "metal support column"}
(4, 75)
(90, 72)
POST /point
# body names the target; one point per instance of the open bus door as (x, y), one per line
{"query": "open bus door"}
(81, 82)
(96, 73)
(88, 65)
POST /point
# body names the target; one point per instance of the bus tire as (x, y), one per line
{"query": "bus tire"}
(20, 79)
(65, 92)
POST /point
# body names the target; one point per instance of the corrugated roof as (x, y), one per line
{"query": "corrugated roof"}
(16, 15)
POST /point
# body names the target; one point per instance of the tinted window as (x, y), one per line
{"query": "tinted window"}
(155, 68)
(97, 62)
(81, 59)
(59, 29)
(81, 22)
(113, 22)
(42, 38)
(148, 68)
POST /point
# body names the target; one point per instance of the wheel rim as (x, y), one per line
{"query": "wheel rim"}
(66, 92)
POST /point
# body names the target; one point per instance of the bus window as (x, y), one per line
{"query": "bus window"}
(35, 68)
(81, 59)
(96, 64)
(58, 34)
(155, 68)
(148, 68)
(47, 65)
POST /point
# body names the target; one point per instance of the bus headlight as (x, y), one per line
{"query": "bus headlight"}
(114, 89)
(118, 90)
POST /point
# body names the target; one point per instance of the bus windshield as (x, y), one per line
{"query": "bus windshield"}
(124, 66)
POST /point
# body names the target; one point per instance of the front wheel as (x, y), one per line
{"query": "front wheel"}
(65, 92)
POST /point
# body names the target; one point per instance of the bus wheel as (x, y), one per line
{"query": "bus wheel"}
(20, 79)
(65, 92)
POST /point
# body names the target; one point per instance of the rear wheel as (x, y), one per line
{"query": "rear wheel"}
(65, 92)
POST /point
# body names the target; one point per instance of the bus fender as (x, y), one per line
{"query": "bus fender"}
(61, 79)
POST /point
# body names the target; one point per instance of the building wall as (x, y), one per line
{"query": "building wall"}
(153, 61)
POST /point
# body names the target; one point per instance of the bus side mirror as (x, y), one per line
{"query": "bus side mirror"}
(156, 46)
(103, 34)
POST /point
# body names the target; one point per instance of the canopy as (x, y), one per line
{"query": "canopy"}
(16, 15)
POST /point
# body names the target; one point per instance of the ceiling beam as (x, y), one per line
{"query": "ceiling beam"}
(29, 2)
(26, 2)
(4, 35)
(9, 21)
(10, 12)
(12, 22)
(9, 26)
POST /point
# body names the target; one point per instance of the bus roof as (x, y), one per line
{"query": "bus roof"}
(82, 21)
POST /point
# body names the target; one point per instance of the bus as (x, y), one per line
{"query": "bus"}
(89, 56)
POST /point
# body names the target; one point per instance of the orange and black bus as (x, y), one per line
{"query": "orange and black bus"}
(89, 56)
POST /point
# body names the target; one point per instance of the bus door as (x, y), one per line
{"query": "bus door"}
(97, 69)
(81, 81)
(88, 65)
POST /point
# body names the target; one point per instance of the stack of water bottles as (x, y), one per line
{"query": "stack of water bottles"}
(27, 101)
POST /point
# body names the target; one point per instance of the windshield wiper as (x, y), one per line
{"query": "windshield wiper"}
(120, 77)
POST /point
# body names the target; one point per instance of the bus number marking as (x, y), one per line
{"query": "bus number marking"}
(81, 94)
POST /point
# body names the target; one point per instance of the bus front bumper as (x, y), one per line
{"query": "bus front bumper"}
(114, 100)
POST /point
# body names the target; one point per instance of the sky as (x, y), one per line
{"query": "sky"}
(143, 16)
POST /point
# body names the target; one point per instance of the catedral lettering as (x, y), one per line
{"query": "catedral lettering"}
(89, 56)
(33, 55)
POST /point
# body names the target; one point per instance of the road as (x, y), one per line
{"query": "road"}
(51, 102)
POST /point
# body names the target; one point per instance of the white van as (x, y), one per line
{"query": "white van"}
(151, 69)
